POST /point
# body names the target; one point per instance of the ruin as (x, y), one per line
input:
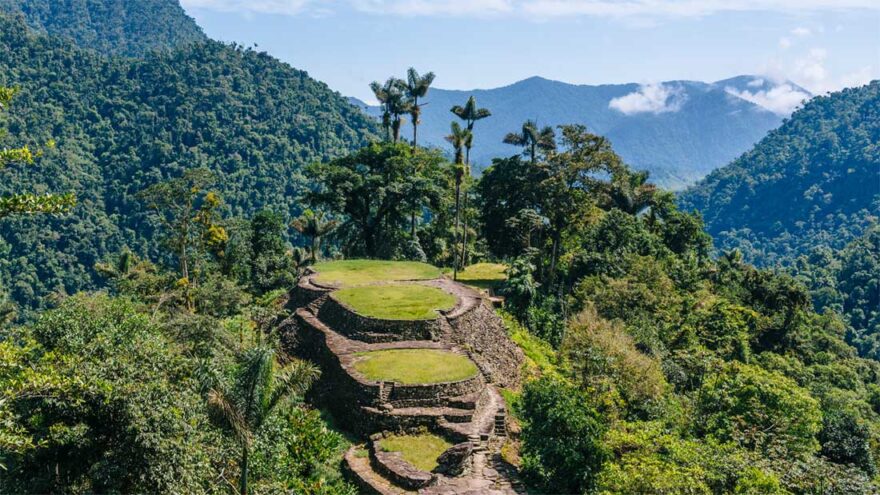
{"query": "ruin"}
(468, 412)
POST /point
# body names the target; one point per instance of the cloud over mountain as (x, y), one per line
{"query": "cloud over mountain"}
(650, 98)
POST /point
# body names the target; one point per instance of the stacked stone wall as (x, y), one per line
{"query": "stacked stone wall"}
(355, 326)
(482, 333)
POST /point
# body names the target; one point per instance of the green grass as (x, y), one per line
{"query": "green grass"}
(414, 366)
(360, 272)
(396, 301)
(421, 451)
(483, 275)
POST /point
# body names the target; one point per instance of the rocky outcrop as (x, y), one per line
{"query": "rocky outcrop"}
(456, 460)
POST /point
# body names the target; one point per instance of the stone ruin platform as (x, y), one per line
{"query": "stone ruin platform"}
(469, 413)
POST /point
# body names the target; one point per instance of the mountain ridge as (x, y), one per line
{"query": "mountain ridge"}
(678, 130)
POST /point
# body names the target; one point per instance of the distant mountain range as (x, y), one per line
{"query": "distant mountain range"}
(678, 130)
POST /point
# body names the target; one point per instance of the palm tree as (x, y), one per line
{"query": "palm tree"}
(381, 91)
(533, 139)
(470, 114)
(458, 138)
(259, 387)
(416, 87)
(630, 192)
(314, 226)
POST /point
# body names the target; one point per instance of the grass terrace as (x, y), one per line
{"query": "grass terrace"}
(415, 366)
(349, 273)
(396, 301)
(483, 275)
(421, 450)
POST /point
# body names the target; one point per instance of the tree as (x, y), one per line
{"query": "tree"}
(382, 93)
(314, 226)
(533, 139)
(25, 203)
(562, 450)
(372, 192)
(188, 214)
(416, 86)
(470, 113)
(260, 386)
(760, 410)
(458, 138)
(629, 191)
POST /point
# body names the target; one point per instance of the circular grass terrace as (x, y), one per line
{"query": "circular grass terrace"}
(348, 273)
(414, 366)
(396, 301)
(420, 450)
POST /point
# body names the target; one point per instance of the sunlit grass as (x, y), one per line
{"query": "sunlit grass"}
(396, 301)
(421, 451)
(415, 366)
(359, 272)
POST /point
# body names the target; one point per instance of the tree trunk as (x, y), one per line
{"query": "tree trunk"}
(412, 223)
(242, 483)
(464, 236)
(467, 155)
(457, 217)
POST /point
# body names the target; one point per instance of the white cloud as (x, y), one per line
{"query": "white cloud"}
(650, 98)
(801, 31)
(781, 99)
(755, 83)
(784, 43)
(536, 8)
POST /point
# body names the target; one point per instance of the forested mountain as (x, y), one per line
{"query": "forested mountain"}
(121, 27)
(123, 124)
(678, 130)
(814, 182)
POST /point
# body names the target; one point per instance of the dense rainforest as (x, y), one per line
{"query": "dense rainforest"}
(810, 183)
(120, 125)
(145, 357)
(118, 27)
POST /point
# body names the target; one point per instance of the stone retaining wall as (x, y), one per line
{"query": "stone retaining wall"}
(355, 326)
(482, 333)
(433, 394)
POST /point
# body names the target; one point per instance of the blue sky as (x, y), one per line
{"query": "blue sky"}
(822, 45)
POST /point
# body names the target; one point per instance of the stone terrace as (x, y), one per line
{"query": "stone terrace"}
(470, 412)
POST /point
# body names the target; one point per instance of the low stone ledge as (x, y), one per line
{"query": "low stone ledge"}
(392, 466)
(359, 327)
(307, 292)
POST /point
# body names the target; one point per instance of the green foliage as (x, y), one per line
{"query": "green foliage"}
(760, 410)
(111, 26)
(122, 125)
(90, 377)
(561, 437)
(374, 191)
(810, 183)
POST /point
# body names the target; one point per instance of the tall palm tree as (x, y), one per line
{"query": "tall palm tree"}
(533, 139)
(314, 226)
(381, 91)
(259, 387)
(470, 113)
(416, 86)
(458, 138)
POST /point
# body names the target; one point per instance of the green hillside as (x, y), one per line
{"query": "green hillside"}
(124, 124)
(813, 182)
(120, 27)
